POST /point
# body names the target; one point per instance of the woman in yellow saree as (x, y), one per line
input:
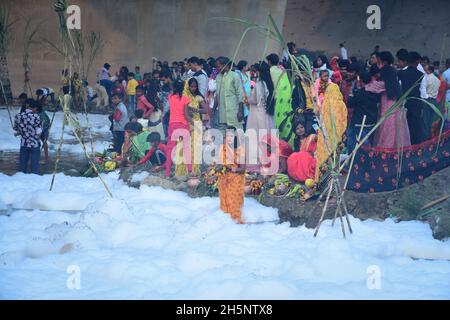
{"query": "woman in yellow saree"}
(197, 106)
(333, 114)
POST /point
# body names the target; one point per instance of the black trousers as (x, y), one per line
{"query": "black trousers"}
(415, 123)
(119, 138)
(427, 116)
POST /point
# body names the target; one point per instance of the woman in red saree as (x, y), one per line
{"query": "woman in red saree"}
(302, 164)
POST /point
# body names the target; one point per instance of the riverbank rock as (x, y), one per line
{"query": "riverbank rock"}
(157, 181)
(73, 173)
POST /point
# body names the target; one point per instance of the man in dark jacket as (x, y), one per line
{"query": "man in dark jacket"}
(363, 103)
(410, 78)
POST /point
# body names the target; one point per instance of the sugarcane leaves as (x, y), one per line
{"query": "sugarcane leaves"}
(437, 112)
(6, 29)
(60, 6)
(73, 48)
(95, 44)
(29, 36)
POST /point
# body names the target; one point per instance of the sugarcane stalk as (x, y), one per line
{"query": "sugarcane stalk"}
(339, 197)
(324, 208)
(58, 152)
(88, 157)
(7, 104)
(344, 205)
(354, 154)
(89, 127)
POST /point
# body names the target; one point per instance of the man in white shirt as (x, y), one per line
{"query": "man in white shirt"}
(446, 77)
(429, 88)
(430, 84)
(199, 74)
(344, 54)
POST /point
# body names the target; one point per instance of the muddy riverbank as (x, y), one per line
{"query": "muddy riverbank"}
(402, 205)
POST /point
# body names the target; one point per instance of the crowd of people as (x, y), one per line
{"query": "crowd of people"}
(199, 105)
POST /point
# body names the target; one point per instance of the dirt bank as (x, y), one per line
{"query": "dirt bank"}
(402, 205)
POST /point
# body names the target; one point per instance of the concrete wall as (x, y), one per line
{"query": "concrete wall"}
(137, 30)
(413, 24)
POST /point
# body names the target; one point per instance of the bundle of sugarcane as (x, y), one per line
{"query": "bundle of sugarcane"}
(70, 119)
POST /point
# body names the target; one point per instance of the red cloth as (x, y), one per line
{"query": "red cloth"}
(150, 152)
(177, 106)
(302, 164)
(442, 90)
(337, 76)
(117, 115)
(172, 142)
(145, 106)
(119, 89)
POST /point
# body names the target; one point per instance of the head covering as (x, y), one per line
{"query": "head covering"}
(334, 63)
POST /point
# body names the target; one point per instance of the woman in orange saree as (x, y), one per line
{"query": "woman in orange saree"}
(231, 182)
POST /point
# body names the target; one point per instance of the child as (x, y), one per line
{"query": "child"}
(132, 129)
(157, 155)
(179, 120)
(137, 73)
(45, 124)
(231, 184)
(120, 118)
(131, 91)
(142, 103)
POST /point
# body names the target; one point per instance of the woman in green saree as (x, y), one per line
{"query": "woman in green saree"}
(283, 98)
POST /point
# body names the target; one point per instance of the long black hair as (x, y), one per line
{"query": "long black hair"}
(264, 75)
(298, 95)
(178, 88)
(389, 75)
(123, 73)
(197, 92)
(306, 119)
(241, 65)
(324, 61)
